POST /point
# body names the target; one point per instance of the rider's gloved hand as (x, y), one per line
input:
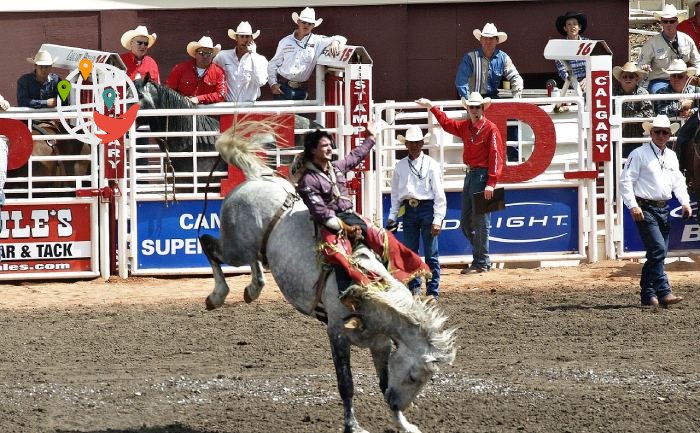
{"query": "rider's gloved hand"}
(354, 233)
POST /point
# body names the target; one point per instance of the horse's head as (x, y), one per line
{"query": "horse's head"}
(409, 371)
(146, 90)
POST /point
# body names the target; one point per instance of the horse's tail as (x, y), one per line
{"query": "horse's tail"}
(241, 143)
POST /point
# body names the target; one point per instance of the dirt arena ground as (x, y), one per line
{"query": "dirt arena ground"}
(540, 350)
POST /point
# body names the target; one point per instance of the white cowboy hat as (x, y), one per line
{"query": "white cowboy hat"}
(490, 31)
(41, 58)
(413, 133)
(203, 42)
(678, 66)
(669, 11)
(475, 99)
(308, 15)
(243, 29)
(138, 31)
(660, 121)
(629, 67)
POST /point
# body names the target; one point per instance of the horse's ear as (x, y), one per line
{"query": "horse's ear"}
(147, 78)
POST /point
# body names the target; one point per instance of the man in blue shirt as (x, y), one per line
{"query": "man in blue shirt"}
(38, 89)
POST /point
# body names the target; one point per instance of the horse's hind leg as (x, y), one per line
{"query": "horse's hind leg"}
(252, 290)
(212, 249)
(340, 349)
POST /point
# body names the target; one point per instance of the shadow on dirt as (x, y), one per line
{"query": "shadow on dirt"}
(172, 428)
(589, 307)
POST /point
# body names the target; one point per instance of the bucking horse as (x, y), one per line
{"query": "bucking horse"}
(264, 222)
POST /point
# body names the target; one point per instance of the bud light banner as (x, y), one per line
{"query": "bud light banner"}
(167, 233)
(534, 221)
(685, 235)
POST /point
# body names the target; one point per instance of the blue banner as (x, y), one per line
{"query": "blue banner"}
(167, 233)
(685, 234)
(534, 221)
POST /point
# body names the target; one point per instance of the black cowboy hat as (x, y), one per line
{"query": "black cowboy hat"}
(561, 20)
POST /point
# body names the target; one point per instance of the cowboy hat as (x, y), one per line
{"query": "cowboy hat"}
(678, 66)
(138, 31)
(669, 11)
(475, 99)
(308, 15)
(490, 31)
(629, 67)
(561, 21)
(413, 134)
(41, 58)
(203, 42)
(660, 121)
(243, 29)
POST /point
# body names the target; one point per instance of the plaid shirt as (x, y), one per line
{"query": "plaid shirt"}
(577, 66)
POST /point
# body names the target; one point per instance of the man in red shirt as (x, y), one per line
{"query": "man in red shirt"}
(691, 26)
(138, 64)
(483, 155)
(202, 81)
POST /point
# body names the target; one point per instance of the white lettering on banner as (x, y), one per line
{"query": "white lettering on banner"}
(190, 222)
(47, 250)
(35, 225)
(521, 221)
(600, 108)
(167, 247)
(691, 233)
(359, 116)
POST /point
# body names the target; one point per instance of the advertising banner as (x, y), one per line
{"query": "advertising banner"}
(685, 234)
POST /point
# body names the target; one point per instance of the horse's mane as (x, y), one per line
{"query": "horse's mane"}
(239, 145)
(169, 98)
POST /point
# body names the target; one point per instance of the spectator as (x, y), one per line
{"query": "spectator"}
(38, 89)
(201, 81)
(659, 51)
(245, 69)
(691, 26)
(417, 192)
(572, 25)
(628, 77)
(483, 155)
(649, 178)
(680, 76)
(138, 64)
(296, 56)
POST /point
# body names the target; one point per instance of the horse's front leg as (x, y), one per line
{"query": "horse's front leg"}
(212, 249)
(381, 349)
(340, 348)
(404, 425)
(252, 290)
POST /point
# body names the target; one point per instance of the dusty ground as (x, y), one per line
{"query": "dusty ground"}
(540, 350)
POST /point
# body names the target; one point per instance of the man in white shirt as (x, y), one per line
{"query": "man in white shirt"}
(296, 56)
(417, 194)
(245, 69)
(650, 176)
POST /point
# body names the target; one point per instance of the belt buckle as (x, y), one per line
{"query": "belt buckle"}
(294, 84)
(413, 202)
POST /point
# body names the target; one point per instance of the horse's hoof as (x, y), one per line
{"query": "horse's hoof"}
(246, 296)
(210, 305)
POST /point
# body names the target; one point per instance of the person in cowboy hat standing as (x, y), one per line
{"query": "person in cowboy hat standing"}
(650, 176)
(572, 25)
(680, 76)
(39, 88)
(691, 26)
(417, 190)
(245, 69)
(201, 81)
(483, 155)
(137, 41)
(670, 44)
(296, 56)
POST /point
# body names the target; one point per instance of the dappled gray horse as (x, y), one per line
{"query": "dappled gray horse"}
(262, 220)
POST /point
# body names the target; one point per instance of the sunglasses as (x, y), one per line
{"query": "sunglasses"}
(628, 76)
(205, 53)
(475, 107)
(669, 21)
(661, 131)
(142, 43)
(678, 76)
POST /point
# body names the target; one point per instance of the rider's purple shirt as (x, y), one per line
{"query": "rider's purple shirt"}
(316, 190)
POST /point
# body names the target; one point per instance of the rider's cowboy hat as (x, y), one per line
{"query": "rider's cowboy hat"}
(243, 29)
(203, 42)
(413, 134)
(308, 15)
(490, 31)
(561, 22)
(41, 58)
(629, 67)
(660, 121)
(669, 11)
(138, 31)
(678, 66)
(475, 100)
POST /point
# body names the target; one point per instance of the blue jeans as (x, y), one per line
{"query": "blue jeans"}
(655, 86)
(290, 94)
(654, 232)
(476, 227)
(417, 223)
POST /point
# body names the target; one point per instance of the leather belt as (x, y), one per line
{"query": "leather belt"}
(414, 202)
(291, 83)
(654, 203)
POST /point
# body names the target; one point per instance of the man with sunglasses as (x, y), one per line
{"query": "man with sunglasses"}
(201, 81)
(483, 155)
(245, 69)
(138, 64)
(650, 176)
(670, 44)
(680, 76)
